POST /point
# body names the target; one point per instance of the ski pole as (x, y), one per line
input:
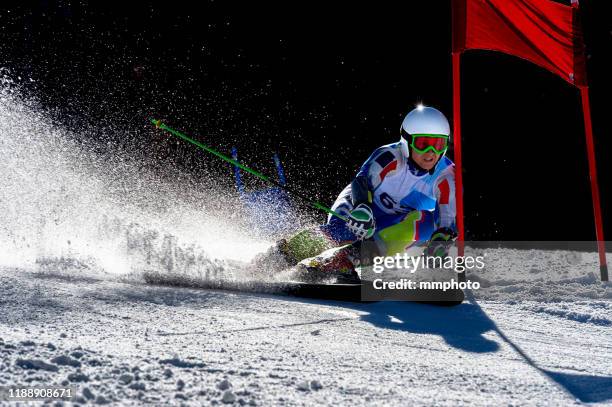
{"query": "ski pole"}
(259, 175)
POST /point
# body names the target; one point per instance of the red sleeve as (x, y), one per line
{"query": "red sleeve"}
(444, 192)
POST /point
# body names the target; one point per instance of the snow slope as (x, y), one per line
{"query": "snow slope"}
(136, 344)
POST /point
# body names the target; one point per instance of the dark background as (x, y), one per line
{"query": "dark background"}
(323, 86)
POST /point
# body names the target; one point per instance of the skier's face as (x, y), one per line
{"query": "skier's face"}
(426, 160)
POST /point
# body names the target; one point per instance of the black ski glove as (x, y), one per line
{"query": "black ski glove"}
(440, 242)
(361, 222)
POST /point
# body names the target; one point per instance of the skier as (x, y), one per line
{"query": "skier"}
(402, 196)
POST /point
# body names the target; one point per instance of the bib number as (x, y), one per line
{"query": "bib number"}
(389, 203)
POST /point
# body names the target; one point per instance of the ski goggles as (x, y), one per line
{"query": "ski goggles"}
(422, 143)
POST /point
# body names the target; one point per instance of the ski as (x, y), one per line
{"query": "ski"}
(349, 292)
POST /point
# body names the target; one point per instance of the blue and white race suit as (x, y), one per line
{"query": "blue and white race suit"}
(397, 187)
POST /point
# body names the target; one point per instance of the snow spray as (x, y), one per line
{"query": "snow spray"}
(66, 207)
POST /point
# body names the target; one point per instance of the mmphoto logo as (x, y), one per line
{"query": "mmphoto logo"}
(413, 263)
(406, 284)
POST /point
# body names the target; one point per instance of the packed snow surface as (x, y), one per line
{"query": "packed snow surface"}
(136, 344)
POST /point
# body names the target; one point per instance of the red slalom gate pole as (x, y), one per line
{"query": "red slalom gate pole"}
(588, 129)
(456, 56)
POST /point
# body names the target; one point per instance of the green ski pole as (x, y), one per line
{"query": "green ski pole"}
(259, 175)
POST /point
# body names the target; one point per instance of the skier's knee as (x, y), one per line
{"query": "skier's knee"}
(304, 244)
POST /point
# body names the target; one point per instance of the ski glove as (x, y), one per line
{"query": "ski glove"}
(440, 242)
(361, 222)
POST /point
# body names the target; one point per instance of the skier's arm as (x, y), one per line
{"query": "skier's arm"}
(361, 219)
(445, 195)
(381, 163)
(442, 238)
(360, 191)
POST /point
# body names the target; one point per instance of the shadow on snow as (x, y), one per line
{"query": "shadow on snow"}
(462, 327)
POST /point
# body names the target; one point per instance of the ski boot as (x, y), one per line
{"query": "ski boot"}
(338, 264)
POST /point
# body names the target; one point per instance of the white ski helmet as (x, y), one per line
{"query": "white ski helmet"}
(422, 120)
